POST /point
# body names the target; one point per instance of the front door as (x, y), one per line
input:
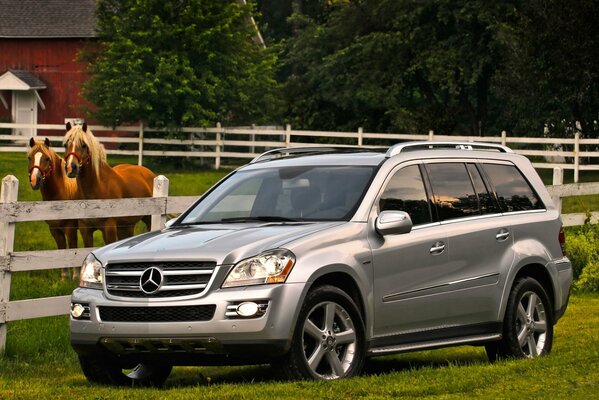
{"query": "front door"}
(24, 112)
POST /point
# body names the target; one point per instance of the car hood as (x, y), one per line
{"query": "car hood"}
(222, 243)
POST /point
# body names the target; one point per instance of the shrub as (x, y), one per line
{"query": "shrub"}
(582, 247)
(589, 279)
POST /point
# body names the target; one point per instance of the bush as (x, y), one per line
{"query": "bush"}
(589, 279)
(582, 248)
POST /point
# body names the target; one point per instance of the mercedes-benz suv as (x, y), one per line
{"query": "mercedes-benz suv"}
(314, 259)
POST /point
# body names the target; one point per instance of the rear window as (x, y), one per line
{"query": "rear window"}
(513, 190)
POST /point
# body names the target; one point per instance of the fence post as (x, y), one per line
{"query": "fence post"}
(217, 148)
(503, 138)
(576, 156)
(360, 133)
(558, 179)
(8, 194)
(140, 146)
(287, 135)
(161, 184)
(431, 135)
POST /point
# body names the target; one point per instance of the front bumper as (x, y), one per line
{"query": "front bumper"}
(224, 336)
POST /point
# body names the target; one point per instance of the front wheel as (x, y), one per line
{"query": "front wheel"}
(528, 324)
(328, 341)
(105, 372)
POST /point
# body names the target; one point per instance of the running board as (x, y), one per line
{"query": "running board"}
(433, 344)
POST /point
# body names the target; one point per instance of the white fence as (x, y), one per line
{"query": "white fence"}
(240, 144)
(158, 206)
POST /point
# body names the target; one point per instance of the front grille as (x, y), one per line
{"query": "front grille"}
(157, 314)
(179, 278)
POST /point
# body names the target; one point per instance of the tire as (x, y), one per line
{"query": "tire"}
(104, 372)
(328, 340)
(528, 323)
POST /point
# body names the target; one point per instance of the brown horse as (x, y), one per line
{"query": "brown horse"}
(85, 159)
(46, 174)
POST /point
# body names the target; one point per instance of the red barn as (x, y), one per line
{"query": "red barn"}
(40, 78)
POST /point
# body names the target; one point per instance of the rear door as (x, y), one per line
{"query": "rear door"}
(479, 244)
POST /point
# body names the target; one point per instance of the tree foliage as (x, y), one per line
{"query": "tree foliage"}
(469, 67)
(551, 76)
(179, 63)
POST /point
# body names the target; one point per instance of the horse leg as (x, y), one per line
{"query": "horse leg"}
(71, 234)
(87, 234)
(125, 230)
(59, 237)
(148, 221)
(109, 231)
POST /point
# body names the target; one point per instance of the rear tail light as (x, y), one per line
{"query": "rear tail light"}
(562, 240)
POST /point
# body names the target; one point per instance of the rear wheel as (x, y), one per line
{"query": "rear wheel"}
(105, 372)
(328, 342)
(528, 324)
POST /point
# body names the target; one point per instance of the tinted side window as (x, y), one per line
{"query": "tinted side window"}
(453, 193)
(405, 192)
(513, 191)
(487, 202)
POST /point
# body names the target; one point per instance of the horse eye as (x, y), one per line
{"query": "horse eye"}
(84, 146)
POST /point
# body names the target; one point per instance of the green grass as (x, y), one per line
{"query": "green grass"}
(41, 365)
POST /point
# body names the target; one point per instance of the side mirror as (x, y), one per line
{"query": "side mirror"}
(170, 222)
(393, 223)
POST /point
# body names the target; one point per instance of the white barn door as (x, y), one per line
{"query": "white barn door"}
(24, 111)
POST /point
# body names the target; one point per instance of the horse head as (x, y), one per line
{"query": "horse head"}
(41, 162)
(81, 149)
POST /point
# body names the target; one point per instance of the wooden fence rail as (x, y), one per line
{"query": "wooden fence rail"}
(233, 144)
(12, 211)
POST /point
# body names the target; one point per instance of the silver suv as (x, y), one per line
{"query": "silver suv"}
(314, 259)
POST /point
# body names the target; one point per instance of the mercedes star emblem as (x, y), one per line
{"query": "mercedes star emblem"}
(150, 280)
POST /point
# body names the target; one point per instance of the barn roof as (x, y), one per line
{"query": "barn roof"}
(47, 18)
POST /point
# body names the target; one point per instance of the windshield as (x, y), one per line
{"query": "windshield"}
(306, 193)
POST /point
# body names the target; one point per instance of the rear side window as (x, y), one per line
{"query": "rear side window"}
(453, 193)
(513, 191)
(405, 192)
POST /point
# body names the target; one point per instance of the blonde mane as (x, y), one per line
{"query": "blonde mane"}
(96, 150)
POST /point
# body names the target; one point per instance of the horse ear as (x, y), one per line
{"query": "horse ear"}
(47, 142)
(31, 142)
(68, 125)
(84, 127)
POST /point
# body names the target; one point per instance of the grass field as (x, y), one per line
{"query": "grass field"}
(44, 367)
(39, 363)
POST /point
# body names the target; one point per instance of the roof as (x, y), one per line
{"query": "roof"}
(20, 80)
(47, 18)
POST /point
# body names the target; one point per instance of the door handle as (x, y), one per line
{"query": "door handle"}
(437, 248)
(502, 235)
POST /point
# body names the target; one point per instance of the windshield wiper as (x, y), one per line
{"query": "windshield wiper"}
(261, 218)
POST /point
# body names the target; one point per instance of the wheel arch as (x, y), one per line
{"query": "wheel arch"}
(539, 273)
(345, 282)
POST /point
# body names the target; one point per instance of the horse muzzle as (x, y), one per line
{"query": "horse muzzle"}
(36, 179)
(71, 169)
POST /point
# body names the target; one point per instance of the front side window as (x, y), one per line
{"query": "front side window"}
(303, 193)
(405, 192)
(513, 190)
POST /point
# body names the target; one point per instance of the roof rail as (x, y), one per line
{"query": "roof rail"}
(311, 150)
(402, 147)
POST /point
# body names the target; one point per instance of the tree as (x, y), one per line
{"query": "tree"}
(397, 65)
(551, 77)
(179, 63)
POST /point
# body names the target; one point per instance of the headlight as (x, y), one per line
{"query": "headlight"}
(269, 267)
(91, 273)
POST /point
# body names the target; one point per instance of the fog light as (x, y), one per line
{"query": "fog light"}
(77, 310)
(80, 311)
(247, 309)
